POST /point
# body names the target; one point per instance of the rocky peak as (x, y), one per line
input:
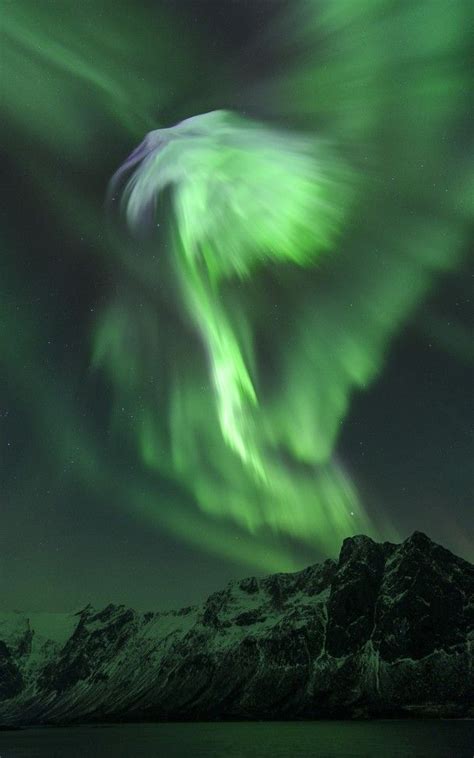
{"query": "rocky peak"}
(358, 548)
(420, 540)
(385, 630)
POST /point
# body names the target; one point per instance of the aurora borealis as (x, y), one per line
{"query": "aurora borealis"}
(216, 358)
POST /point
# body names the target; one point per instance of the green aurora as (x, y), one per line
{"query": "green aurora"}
(263, 250)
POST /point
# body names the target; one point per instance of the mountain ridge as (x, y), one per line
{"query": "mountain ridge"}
(384, 630)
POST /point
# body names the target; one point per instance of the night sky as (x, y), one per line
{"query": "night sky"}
(130, 470)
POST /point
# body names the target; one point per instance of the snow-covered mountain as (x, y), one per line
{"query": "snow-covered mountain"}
(385, 630)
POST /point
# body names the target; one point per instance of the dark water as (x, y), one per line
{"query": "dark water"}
(382, 739)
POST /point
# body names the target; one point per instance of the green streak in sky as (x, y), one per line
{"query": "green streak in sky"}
(243, 195)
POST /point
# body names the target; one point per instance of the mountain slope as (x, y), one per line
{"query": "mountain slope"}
(386, 630)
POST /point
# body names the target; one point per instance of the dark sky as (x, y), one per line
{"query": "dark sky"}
(68, 473)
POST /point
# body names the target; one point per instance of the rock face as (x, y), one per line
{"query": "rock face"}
(387, 630)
